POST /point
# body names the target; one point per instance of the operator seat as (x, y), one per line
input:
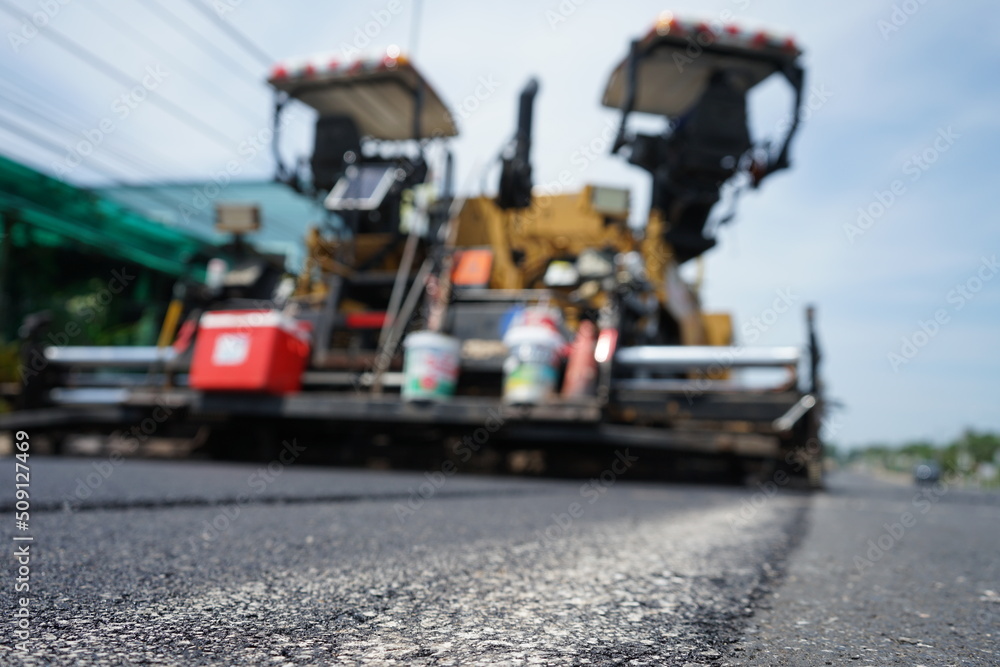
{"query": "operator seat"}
(336, 135)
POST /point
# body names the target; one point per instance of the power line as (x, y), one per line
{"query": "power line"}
(193, 36)
(124, 158)
(108, 171)
(144, 42)
(25, 133)
(72, 126)
(35, 114)
(21, 86)
(234, 34)
(140, 190)
(118, 75)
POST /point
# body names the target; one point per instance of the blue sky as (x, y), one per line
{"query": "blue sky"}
(883, 94)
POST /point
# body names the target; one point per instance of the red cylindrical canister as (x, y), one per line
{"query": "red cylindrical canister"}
(581, 369)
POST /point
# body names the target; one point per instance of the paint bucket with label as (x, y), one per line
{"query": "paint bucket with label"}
(531, 370)
(430, 366)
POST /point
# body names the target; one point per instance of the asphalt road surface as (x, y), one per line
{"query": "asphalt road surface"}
(158, 562)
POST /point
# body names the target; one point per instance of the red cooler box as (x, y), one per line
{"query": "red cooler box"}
(250, 350)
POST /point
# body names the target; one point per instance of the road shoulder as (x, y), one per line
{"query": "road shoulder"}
(886, 575)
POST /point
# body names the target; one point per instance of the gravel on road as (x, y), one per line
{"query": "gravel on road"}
(186, 563)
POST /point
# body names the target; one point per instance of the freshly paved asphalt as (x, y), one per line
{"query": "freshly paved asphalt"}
(159, 562)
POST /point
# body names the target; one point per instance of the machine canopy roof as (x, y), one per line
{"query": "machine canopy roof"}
(377, 92)
(677, 59)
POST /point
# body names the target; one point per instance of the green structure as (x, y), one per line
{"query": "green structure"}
(105, 272)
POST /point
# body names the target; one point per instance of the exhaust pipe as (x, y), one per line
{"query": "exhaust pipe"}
(515, 177)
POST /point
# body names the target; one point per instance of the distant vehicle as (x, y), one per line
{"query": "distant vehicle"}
(926, 472)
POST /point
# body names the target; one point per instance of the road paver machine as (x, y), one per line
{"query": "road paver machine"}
(520, 319)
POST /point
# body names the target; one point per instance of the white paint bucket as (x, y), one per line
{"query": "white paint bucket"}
(430, 366)
(531, 370)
